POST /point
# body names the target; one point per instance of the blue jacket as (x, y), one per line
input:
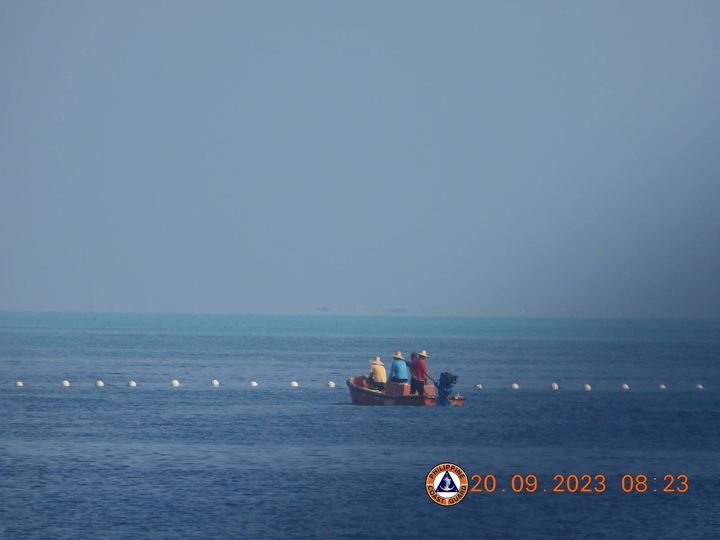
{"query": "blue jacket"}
(399, 370)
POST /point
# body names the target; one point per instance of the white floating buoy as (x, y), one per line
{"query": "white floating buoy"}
(65, 383)
(99, 384)
(294, 384)
(554, 387)
(515, 386)
(478, 386)
(625, 386)
(253, 384)
(331, 384)
(215, 383)
(587, 387)
(662, 387)
(175, 383)
(132, 384)
(699, 387)
(19, 384)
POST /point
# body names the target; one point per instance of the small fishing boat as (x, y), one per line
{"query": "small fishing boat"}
(399, 393)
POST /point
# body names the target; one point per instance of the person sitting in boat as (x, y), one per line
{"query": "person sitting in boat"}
(378, 375)
(419, 371)
(399, 369)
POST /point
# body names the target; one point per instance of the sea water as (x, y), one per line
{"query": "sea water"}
(277, 462)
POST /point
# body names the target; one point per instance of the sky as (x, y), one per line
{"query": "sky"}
(500, 159)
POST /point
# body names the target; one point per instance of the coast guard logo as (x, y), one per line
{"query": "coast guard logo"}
(446, 484)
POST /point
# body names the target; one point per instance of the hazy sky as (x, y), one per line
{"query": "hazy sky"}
(490, 158)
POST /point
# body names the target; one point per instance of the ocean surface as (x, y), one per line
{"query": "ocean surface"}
(277, 462)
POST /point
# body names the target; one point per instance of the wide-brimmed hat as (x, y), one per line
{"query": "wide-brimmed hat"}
(424, 354)
(376, 361)
(399, 356)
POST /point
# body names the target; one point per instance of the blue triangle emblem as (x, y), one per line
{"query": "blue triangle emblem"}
(447, 484)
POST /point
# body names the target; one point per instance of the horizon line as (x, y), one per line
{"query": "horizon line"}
(386, 313)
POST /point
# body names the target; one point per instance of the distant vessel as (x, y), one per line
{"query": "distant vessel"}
(399, 394)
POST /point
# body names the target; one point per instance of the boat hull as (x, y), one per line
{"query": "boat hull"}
(394, 394)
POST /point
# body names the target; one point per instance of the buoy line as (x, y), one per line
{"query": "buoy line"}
(215, 383)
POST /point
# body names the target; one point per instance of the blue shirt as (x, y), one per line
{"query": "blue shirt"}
(399, 370)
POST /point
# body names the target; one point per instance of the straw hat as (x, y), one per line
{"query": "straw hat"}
(399, 356)
(424, 354)
(376, 361)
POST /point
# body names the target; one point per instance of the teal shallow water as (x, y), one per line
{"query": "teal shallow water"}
(199, 462)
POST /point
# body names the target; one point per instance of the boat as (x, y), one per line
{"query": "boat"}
(399, 394)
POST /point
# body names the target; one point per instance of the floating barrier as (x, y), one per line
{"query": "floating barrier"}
(215, 383)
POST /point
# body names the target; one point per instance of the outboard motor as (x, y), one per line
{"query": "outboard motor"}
(444, 388)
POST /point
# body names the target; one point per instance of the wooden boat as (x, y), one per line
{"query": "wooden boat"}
(394, 394)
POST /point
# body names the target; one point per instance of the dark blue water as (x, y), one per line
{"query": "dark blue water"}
(197, 462)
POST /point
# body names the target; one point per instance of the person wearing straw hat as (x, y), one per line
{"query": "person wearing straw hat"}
(378, 375)
(399, 369)
(419, 371)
